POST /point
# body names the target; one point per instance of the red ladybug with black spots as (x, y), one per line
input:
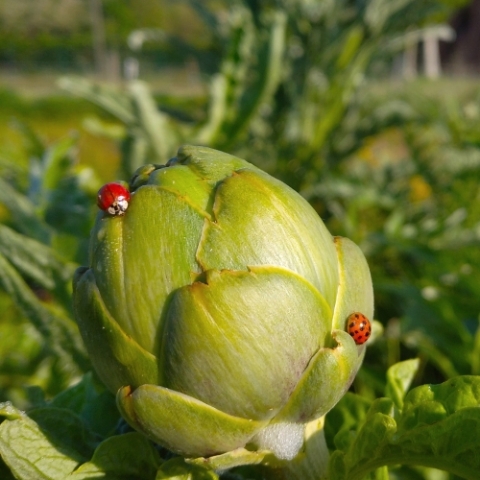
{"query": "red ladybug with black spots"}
(359, 327)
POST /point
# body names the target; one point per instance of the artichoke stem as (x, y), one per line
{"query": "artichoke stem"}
(312, 462)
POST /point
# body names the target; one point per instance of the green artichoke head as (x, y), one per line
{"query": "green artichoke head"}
(215, 308)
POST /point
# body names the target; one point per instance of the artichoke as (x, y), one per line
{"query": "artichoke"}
(215, 308)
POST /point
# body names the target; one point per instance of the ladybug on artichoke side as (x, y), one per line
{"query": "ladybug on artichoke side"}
(359, 327)
(113, 198)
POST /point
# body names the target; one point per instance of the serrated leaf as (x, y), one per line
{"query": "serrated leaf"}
(23, 213)
(59, 331)
(439, 427)
(33, 259)
(46, 445)
(268, 73)
(399, 379)
(122, 457)
(349, 412)
(154, 124)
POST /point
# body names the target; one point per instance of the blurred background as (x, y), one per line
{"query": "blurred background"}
(369, 108)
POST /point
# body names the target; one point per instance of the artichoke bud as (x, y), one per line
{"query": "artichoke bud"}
(215, 307)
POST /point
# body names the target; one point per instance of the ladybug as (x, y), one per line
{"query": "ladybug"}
(359, 327)
(113, 198)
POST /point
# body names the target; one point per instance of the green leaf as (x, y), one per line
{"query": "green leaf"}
(117, 104)
(154, 124)
(23, 213)
(228, 85)
(95, 405)
(268, 74)
(5, 472)
(160, 225)
(56, 163)
(183, 424)
(177, 469)
(325, 380)
(399, 379)
(347, 415)
(46, 445)
(278, 227)
(122, 457)
(118, 359)
(439, 427)
(33, 259)
(58, 330)
(259, 384)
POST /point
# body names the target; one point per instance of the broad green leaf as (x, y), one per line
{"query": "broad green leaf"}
(122, 457)
(177, 469)
(46, 445)
(95, 405)
(399, 379)
(439, 427)
(5, 472)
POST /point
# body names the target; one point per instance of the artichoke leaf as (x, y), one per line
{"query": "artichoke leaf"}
(131, 287)
(355, 292)
(252, 332)
(211, 165)
(182, 181)
(278, 227)
(118, 359)
(183, 424)
(325, 381)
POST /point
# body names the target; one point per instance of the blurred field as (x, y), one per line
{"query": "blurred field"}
(37, 100)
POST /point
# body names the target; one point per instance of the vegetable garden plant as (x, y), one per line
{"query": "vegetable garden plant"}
(215, 329)
(223, 318)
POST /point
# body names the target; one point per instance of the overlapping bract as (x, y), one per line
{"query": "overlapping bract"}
(215, 307)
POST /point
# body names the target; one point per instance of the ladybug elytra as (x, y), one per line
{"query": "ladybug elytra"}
(359, 327)
(113, 198)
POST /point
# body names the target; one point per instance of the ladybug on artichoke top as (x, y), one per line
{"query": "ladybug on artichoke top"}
(113, 198)
(359, 327)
